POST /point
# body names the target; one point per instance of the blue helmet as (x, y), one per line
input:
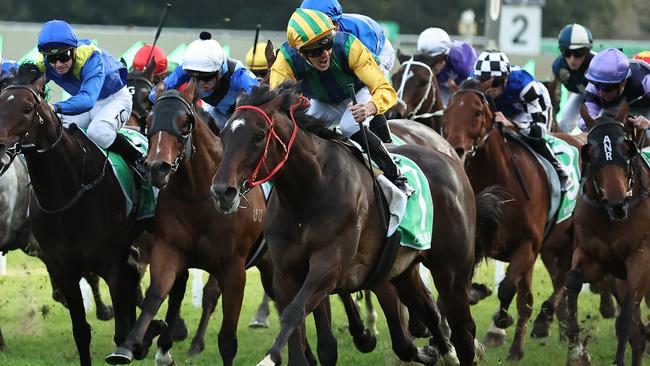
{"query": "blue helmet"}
(610, 66)
(574, 36)
(56, 34)
(331, 8)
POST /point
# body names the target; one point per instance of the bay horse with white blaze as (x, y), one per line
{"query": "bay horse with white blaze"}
(323, 229)
(470, 128)
(611, 231)
(78, 210)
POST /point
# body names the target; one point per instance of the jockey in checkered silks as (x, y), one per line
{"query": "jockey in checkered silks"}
(520, 99)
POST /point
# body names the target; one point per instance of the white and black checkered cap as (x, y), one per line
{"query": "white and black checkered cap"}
(491, 63)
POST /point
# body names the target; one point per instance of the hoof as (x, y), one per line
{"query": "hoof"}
(502, 319)
(478, 292)
(257, 323)
(541, 329)
(607, 307)
(180, 331)
(195, 349)
(418, 329)
(366, 342)
(578, 356)
(479, 352)
(267, 361)
(164, 359)
(495, 337)
(105, 313)
(428, 355)
(449, 359)
(121, 356)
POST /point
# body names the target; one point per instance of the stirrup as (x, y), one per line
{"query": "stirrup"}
(402, 183)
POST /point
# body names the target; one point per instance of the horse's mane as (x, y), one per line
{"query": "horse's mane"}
(289, 91)
(27, 74)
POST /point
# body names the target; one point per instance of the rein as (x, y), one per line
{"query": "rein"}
(19, 147)
(271, 133)
(431, 89)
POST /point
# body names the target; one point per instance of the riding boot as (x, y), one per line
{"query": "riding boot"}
(541, 147)
(131, 154)
(379, 126)
(380, 155)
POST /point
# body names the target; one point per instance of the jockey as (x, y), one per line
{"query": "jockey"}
(7, 70)
(521, 99)
(326, 62)
(569, 68)
(612, 79)
(100, 101)
(219, 79)
(256, 61)
(452, 61)
(141, 61)
(371, 34)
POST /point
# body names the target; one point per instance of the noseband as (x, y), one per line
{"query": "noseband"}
(431, 89)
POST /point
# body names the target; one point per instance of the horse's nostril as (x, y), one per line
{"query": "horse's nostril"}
(230, 193)
(460, 151)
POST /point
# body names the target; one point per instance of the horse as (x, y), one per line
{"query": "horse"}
(77, 207)
(323, 231)
(140, 83)
(611, 214)
(418, 92)
(489, 159)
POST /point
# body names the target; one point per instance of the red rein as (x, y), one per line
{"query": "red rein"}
(251, 180)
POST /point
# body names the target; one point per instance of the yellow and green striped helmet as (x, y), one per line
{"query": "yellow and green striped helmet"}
(307, 26)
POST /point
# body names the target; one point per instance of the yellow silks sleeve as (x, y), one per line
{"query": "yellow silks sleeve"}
(364, 66)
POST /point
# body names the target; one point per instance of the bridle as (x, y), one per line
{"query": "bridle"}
(130, 80)
(431, 89)
(486, 131)
(20, 147)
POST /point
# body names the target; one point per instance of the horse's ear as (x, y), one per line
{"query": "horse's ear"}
(160, 89)
(623, 110)
(402, 57)
(39, 84)
(148, 72)
(123, 62)
(188, 92)
(584, 113)
(269, 53)
(584, 152)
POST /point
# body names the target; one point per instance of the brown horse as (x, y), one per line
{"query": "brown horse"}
(140, 84)
(610, 236)
(418, 92)
(323, 229)
(189, 231)
(469, 126)
(78, 208)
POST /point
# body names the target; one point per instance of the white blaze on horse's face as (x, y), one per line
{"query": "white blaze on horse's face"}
(234, 125)
(607, 147)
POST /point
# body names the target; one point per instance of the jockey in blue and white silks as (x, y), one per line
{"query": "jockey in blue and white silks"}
(612, 79)
(100, 102)
(366, 29)
(569, 69)
(521, 99)
(219, 79)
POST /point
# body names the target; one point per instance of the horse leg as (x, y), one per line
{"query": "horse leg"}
(542, 324)
(103, 311)
(327, 348)
(68, 284)
(166, 263)
(3, 345)
(403, 346)
(261, 318)
(165, 341)
(524, 310)
(631, 327)
(364, 340)
(211, 293)
(122, 281)
(232, 279)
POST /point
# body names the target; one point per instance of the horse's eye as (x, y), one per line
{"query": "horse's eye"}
(259, 137)
(28, 109)
(478, 114)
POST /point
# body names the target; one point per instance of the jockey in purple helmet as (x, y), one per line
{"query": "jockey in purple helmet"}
(458, 66)
(612, 79)
(569, 70)
(100, 101)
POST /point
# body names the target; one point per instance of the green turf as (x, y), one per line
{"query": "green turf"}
(38, 332)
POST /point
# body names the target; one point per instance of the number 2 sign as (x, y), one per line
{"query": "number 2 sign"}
(520, 29)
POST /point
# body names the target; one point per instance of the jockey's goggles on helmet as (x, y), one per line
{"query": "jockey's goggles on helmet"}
(320, 46)
(202, 76)
(577, 53)
(63, 56)
(607, 87)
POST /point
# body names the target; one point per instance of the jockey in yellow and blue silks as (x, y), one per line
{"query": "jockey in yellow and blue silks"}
(371, 34)
(219, 79)
(521, 99)
(326, 62)
(100, 101)
(612, 79)
(569, 69)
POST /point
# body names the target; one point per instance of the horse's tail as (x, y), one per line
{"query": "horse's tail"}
(489, 212)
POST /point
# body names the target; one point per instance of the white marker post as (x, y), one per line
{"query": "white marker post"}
(3, 264)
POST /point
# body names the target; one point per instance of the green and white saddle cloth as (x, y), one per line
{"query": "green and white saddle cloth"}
(569, 158)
